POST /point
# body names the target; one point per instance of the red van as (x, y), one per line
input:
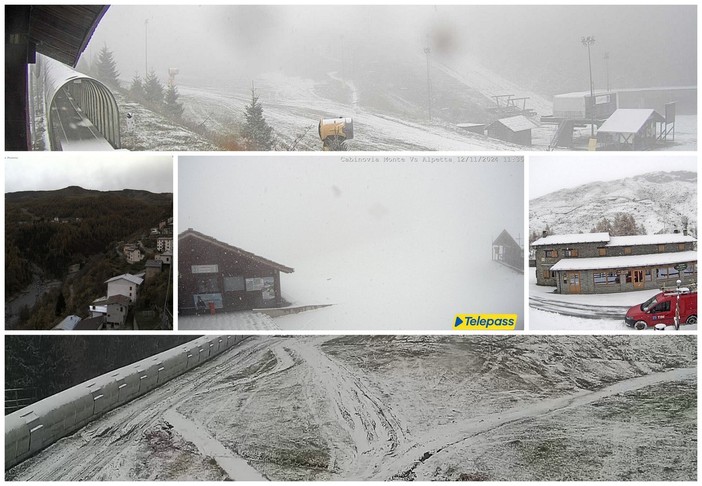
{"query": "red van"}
(661, 309)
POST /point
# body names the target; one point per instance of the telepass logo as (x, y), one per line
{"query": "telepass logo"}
(485, 322)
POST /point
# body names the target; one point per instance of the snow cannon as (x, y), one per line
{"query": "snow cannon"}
(334, 132)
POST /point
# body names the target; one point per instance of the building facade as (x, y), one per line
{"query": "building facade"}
(596, 263)
(212, 273)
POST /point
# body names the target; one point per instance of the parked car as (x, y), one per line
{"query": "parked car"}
(660, 309)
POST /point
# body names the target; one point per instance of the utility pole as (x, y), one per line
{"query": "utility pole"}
(427, 51)
(146, 47)
(606, 58)
(587, 42)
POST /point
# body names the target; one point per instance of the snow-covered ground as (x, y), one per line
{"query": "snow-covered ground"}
(292, 107)
(608, 310)
(390, 246)
(404, 407)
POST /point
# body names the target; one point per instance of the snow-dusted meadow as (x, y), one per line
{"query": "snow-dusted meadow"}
(488, 407)
(391, 243)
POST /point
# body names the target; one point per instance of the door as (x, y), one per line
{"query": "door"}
(637, 278)
(573, 282)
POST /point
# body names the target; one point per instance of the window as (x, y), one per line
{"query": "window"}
(570, 252)
(234, 284)
(207, 285)
(606, 278)
(667, 273)
(648, 275)
(551, 253)
(661, 248)
(627, 250)
(689, 271)
(681, 246)
(602, 251)
(662, 307)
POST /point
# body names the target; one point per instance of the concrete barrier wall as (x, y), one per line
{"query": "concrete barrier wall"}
(32, 428)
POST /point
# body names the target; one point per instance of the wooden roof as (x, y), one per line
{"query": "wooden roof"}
(190, 233)
(61, 32)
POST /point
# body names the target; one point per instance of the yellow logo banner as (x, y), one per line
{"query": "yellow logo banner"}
(485, 322)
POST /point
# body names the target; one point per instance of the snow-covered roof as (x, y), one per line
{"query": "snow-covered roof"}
(629, 261)
(650, 239)
(628, 120)
(581, 94)
(517, 123)
(572, 238)
(470, 125)
(127, 276)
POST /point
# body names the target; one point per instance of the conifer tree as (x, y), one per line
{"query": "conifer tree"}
(153, 89)
(256, 131)
(106, 68)
(136, 90)
(172, 108)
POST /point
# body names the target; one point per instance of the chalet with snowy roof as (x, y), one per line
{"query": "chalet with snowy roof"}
(213, 273)
(595, 263)
(515, 129)
(632, 129)
(508, 252)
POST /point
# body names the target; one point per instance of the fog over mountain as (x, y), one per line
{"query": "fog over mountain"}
(537, 46)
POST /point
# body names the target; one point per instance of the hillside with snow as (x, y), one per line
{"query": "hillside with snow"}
(658, 200)
(444, 408)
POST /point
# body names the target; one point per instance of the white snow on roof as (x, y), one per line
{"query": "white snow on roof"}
(581, 94)
(650, 239)
(518, 123)
(629, 261)
(127, 276)
(627, 120)
(572, 238)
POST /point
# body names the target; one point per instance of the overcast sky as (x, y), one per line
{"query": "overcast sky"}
(102, 172)
(649, 45)
(554, 172)
(288, 207)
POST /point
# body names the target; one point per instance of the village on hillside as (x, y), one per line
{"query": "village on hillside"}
(84, 253)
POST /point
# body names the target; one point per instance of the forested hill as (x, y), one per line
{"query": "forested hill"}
(55, 229)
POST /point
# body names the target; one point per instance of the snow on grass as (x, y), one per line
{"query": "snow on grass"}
(483, 407)
(390, 246)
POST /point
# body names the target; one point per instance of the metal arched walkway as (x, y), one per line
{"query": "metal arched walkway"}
(81, 112)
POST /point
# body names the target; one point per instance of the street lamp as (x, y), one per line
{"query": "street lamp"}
(587, 42)
(427, 51)
(146, 47)
(606, 58)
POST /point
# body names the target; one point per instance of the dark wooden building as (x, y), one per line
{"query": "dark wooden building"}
(515, 129)
(214, 273)
(508, 252)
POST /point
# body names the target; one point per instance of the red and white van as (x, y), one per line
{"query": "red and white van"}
(660, 309)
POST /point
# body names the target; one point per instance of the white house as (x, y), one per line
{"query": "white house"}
(164, 244)
(134, 255)
(127, 285)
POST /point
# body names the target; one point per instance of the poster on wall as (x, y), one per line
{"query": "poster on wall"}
(202, 301)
